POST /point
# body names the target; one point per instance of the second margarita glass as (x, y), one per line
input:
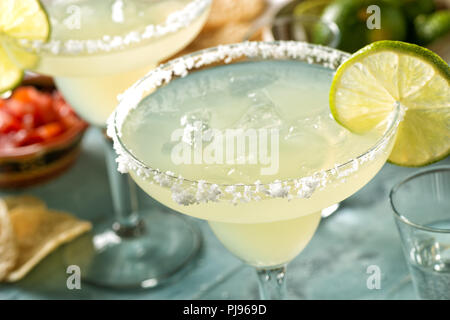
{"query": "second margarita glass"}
(95, 51)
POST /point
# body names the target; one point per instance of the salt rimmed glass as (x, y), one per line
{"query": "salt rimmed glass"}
(72, 11)
(309, 193)
(96, 49)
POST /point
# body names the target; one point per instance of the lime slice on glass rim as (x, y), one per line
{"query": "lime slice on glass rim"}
(367, 87)
(19, 20)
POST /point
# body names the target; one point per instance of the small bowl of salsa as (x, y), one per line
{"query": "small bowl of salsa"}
(40, 134)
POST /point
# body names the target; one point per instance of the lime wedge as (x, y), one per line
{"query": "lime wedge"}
(19, 20)
(367, 87)
(10, 74)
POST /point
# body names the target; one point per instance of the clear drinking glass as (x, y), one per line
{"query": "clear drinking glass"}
(95, 51)
(421, 205)
(284, 223)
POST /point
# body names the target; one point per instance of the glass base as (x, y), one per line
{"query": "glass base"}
(164, 244)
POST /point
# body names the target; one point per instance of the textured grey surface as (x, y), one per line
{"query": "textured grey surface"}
(333, 266)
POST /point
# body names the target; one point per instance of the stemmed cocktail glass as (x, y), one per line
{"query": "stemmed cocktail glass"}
(97, 48)
(278, 91)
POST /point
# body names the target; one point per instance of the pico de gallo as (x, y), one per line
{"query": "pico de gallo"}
(30, 116)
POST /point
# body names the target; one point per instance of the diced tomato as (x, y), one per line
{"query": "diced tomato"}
(25, 94)
(28, 121)
(44, 100)
(46, 113)
(20, 137)
(66, 114)
(8, 122)
(70, 121)
(19, 109)
(30, 116)
(61, 106)
(49, 130)
(28, 100)
(25, 137)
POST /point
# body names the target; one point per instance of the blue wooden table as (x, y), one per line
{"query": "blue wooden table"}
(333, 266)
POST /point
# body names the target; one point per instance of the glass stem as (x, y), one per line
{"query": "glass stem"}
(272, 283)
(124, 196)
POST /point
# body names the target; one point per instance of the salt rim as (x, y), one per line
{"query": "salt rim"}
(174, 22)
(188, 192)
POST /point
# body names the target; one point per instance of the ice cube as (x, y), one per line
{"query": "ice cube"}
(261, 114)
(243, 85)
(301, 126)
(321, 124)
(201, 114)
(195, 124)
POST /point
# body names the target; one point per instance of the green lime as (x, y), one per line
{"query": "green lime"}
(431, 27)
(352, 17)
(413, 8)
(19, 20)
(368, 86)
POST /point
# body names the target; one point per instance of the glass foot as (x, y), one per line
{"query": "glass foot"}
(163, 245)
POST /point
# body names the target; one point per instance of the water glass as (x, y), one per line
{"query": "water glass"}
(421, 205)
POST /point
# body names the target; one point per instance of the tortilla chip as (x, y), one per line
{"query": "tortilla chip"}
(38, 232)
(226, 11)
(23, 201)
(8, 245)
(230, 21)
(230, 33)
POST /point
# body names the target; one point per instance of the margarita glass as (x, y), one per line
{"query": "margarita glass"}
(274, 89)
(96, 50)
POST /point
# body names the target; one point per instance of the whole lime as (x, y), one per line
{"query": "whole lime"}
(430, 27)
(413, 8)
(354, 22)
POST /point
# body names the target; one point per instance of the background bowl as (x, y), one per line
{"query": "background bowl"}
(32, 164)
